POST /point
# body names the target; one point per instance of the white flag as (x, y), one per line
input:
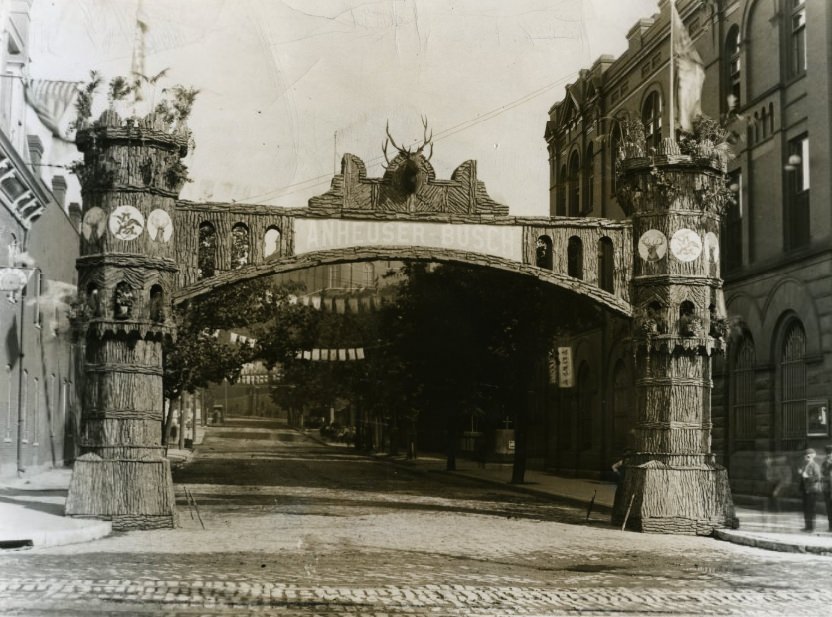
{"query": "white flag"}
(690, 73)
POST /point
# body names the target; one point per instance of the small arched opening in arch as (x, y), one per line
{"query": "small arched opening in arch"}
(543, 252)
(157, 304)
(575, 258)
(271, 241)
(606, 264)
(240, 246)
(206, 259)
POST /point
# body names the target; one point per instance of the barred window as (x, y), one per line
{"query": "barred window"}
(742, 394)
(793, 387)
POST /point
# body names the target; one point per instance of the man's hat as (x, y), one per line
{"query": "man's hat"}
(810, 451)
(829, 448)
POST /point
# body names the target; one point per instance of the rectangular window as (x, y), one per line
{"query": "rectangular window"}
(732, 230)
(796, 214)
(798, 37)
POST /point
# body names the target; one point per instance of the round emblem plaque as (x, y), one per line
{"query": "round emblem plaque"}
(686, 245)
(712, 247)
(126, 223)
(652, 245)
(159, 225)
(94, 223)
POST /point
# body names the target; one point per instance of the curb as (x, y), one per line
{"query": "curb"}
(518, 488)
(770, 545)
(74, 535)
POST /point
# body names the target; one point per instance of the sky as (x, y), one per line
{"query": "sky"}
(288, 86)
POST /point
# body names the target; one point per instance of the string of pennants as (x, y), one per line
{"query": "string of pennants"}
(332, 355)
(352, 304)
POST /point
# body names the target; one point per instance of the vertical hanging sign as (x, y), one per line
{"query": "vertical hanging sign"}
(565, 373)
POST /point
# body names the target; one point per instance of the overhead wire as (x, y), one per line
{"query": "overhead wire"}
(443, 134)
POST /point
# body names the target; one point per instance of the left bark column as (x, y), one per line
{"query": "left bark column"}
(131, 177)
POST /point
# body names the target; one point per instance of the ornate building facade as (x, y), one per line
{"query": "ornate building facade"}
(766, 66)
(37, 377)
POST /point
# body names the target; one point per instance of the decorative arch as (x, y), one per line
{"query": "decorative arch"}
(781, 299)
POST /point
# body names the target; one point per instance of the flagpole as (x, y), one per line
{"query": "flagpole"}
(672, 114)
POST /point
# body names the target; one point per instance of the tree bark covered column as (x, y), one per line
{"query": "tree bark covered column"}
(131, 176)
(672, 482)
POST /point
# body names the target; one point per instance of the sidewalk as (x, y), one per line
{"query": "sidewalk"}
(770, 531)
(32, 508)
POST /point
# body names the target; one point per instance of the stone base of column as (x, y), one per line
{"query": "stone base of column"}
(133, 494)
(660, 497)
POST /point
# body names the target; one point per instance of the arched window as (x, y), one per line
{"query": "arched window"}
(606, 265)
(651, 116)
(574, 185)
(575, 258)
(690, 324)
(793, 387)
(123, 300)
(543, 252)
(93, 300)
(206, 260)
(271, 241)
(589, 179)
(561, 197)
(615, 145)
(585, 411)
(733, 66)
(240, 246)
(157, 304)
(741, 386)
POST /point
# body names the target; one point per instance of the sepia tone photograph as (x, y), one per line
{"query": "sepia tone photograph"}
(476, 308)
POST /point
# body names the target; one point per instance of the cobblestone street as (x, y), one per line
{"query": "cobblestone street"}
(292, 527)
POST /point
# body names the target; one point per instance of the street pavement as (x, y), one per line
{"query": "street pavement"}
(279, 524)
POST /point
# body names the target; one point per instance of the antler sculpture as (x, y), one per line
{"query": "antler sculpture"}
(427, 140)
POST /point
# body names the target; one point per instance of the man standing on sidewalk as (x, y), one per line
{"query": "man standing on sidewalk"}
(809, 488)
(826, 483)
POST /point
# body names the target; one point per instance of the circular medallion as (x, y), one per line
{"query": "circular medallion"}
(126, 223)
(652, 245)
(712, 247)
(94, 223)
(686, 245)
(159, 225)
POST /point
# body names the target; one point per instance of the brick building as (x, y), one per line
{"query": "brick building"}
(37, 410)
(769, 58)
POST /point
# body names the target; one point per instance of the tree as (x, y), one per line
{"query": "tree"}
(471, 340)
(198, 356)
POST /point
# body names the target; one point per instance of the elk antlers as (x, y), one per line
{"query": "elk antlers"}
(427, 140)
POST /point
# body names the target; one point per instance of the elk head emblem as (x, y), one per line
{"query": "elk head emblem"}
(653, 244)
(406, 174)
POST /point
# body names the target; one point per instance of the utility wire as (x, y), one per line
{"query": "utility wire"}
(443, 134)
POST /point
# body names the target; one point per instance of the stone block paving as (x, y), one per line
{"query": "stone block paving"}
(28, 595)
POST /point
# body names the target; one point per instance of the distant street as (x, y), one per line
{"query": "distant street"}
(294, 527)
